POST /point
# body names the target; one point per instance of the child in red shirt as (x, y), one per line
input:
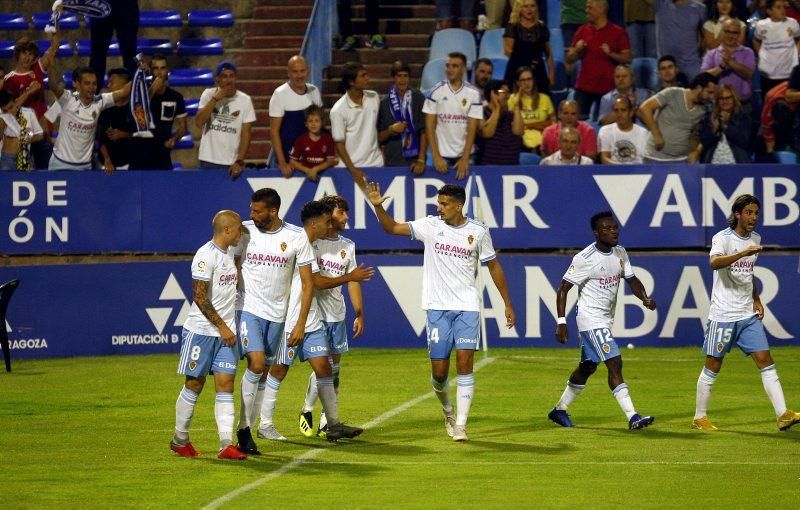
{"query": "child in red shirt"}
(313, 151)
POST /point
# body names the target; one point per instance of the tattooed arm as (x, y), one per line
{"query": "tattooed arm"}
(200, 292)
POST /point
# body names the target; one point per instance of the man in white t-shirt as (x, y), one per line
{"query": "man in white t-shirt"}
(569, 139)
(225, 115)
(455, 246)
(79, 113)
(354, 121)
(208, 338)
(453, 110)
(775, 42)
(623, 142)
(286, 111)
(597, 271)
(736, 312)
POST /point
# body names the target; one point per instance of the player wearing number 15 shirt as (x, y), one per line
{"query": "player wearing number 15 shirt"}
(597, 271)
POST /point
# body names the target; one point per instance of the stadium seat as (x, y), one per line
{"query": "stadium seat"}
(553, 13)
(191, 77)
(68, 21)
(786, 157)
(557, 44)
(211, 46)
(177, 166)
(7, 49)
(499, 65)
(492, 44)
(6, 291)
(453, 39)
(210, 18)
(432, 73)
(185, 142)
(645, 72)
(154, 46)
(165, 18)
(529, 158)
(84, 48)
(13, 21)
(560, 89)
(64, 48)
(191, 106)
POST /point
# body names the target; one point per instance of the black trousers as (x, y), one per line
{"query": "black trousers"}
(345, 15)
(124, 19)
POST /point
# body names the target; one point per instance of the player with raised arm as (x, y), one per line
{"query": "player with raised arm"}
(736, 313)
(208, 337)
(597, 271)
(454, 248)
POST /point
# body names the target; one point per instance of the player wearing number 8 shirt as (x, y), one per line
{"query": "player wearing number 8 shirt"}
(597, 271)
(454, 248)
(736, 313)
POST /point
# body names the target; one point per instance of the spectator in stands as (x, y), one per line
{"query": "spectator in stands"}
(19, 129)
(495, 12)
(725, 131)
(777, 119)
(401, 123)
(167, 108)
(537, 109)
(623, 142)
(28, 68)
(679, 110)
(453, 110)
(500, 142)
(116, 126)
(354, 118)
(679, 32)
(448, 10)
(124, 20)
(526, 42)
(287, 108)
(668, 73)
(568, 140)
(641, 28)
(732, 63)
(721, 11)
(226, 116)
(482, 74)
(623, 81)
(568, 117)
(600, 45)
(10, 132)
(793, 99)
(775, 41)
(375, 39)
(314, 151)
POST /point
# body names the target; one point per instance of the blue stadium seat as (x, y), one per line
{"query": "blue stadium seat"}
(13, 21)
(68, 21)
(557, 44)
(7, 49)
(432, 73)
(553, 13)
(210, 18)
(165, 18)
(453, 39)
(64, 48)
(499, 65)
(177, 166)
(645, 72)
(191, 77)
(191, 106)
(560, 89)
(212, 46)
(529, 158)
(492, 44)
(185, 142)
(84, 47)
(154, 46)
(786, 157)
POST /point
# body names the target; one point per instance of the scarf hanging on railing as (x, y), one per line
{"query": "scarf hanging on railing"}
(24, 152)
(402, 111)
(140, 102)
(89, 8)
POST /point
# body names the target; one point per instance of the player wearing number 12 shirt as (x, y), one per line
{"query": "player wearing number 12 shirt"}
(454, 248)
(597, 271)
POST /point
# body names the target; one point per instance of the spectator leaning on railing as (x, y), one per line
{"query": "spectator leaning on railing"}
(401, 123)
(116, 126)
(167, 107)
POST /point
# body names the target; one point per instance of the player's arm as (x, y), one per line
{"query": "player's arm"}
(430, 133)
(354, 289)
(49, 56)
(359, 274)
(359, 177)
(306, 295)
(204, 112)
(605, 158)
(639, 291)
(200, 296)
(387, 222)
(646, 114)
(170, 143)
(56, 82)
(499, 279)
(462, 165)
(722, 261)
(561, 308)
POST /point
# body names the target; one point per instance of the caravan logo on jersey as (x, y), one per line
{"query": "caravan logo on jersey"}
(159, 317)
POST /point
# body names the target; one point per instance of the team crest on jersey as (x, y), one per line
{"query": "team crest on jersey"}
(464, 102)
(606, 348)
(192, 365)
(470, 239)
(571, 269)
(343, 253)
(720, 346)
(290, 353)
(283, 246)
(201, 266)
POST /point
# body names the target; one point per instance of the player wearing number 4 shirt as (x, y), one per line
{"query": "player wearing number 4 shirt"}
(736, 313)
(454, 248)
(597, 271)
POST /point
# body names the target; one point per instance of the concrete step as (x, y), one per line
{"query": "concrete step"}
(262, 73)
(291, 26)
(272, 11)
(262, 57)
(397, 11)
(369, 56)
(289, 3)
(254, 42)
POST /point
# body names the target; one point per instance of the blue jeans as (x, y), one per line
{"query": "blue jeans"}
(463, 9)
(643, 38)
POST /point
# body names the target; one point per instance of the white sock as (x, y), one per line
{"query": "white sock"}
(465, 388)
(442, 393)
(327, 394)
(224, 413)
(184, 410)
(311, 393)
(270, 399)
(704, 384)
(571, 392)
(258, 401)
(624, 400)
(772, 385)
(247, 398)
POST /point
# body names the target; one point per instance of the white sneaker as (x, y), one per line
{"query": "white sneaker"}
(459, 433)
(449, 422)
(270, 432)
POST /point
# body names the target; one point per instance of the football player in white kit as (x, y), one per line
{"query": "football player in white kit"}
(454, 248)
(597, 271)
(736, 313)
(209, 342)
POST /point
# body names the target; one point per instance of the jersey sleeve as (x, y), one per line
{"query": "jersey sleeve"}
(486, 248)
(205, 97)
(476, 108)
(579, 271)
(296, 151)
(429, 106)
(248, 112)
(718, 246)
(305, 254)
(420, 229)
(106, 100)
(627, 268)
(353, 263)
(275, 107)
(203, 266)
(338, 129)
(180, 107)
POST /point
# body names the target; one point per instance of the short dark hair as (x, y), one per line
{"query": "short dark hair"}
(5, 98)
(600, 216)
(458, 54)
(667, 58)
(702, 80)
(313, 110)
(738, 206)
(120, 71)
(159, 56)
(336, 201)
(26, 45)
(269, 196)
(769, 4)
(455, 191)
(349, 74)
(313, 209)
(79, 71)
(483, 60)
(400, 66)
(492, 86)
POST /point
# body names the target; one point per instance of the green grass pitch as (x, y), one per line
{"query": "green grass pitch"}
(94, 433)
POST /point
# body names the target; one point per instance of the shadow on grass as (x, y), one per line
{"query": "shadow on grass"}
(515, 447)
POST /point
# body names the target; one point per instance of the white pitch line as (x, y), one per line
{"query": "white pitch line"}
(563, 463)
(627, 358)
(311, 454)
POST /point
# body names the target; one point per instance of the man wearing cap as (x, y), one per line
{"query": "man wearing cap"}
(226, 116)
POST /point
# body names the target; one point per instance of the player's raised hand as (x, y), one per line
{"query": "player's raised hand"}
(374, 194)
(752, 250)
(361, 273)
(561, 333)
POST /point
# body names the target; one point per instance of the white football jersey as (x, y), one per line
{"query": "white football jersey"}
(76, 133)
(732, 293)
(453, 109)
(313, 320)
(597, 276)
(451, 260)
(268, 260)
(211, 264)
(335, 257)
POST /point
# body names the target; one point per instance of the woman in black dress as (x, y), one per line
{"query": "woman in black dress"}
(527, 43)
